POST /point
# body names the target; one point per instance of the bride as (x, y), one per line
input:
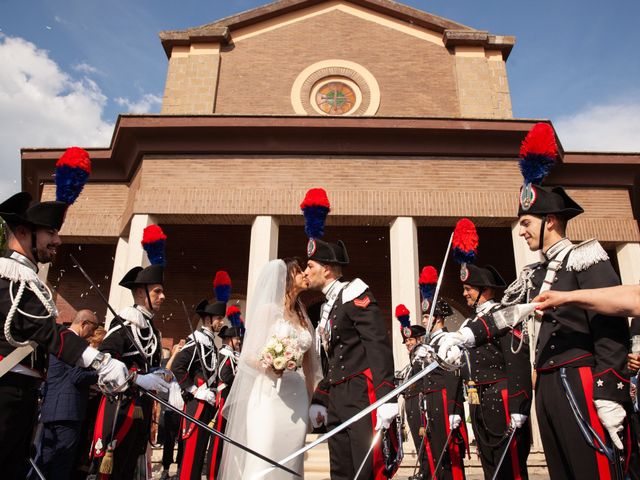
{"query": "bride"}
(267, 409)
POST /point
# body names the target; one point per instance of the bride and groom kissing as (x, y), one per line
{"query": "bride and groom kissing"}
(280, 388)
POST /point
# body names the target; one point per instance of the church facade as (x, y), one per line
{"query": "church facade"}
(403, 117)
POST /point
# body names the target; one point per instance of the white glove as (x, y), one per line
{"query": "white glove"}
(421, 351)
(385, 415)
(205, 394)
(454, 421)
(612, 416)
(152, 382)
(449, 346)
(113, 374)
(316, 410)
(518, 420)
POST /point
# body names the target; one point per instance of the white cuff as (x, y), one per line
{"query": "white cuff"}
(467, 334)
(87, 358)
(193, 389)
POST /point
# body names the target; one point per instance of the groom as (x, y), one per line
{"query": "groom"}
(359, 363)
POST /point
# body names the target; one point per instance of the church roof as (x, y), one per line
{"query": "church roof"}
(453, 33)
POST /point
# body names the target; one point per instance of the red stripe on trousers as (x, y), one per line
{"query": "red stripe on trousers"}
(586, 376)
(99, 428)
(216, 440)
(457, 471)
(190, 446)
(427, 446)
(513, 446)
(378, 460)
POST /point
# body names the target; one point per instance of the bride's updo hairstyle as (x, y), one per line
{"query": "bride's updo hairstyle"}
(293, 268)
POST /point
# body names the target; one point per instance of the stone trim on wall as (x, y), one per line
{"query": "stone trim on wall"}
(303, 86)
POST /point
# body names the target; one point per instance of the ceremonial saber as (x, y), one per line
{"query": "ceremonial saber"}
(212, 431)
(113, 312)
(441, 457)
(376, 439)
(393, 393)
(504, 454)
(165, 403)
(36, 469)
(438, 284)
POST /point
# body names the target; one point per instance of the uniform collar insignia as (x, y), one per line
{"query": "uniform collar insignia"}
(556, 248)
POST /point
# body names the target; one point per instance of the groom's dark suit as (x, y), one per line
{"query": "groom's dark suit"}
(358, 371)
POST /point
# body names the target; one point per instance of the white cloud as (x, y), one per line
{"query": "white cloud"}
(145, 104)
(86, 69)
(611, 127)
(43, 106)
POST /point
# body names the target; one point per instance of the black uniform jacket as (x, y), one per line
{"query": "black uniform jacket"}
(360, 341)
(571, 336)
(52, 338)
(440, 379)
(496, 360)
(186, 365)
(118, 345)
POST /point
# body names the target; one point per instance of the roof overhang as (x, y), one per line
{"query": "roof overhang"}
(138, 135)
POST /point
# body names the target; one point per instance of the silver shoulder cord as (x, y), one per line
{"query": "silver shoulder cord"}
(44, 295)
(515, 293)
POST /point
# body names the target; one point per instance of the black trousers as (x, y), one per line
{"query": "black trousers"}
(415, 421)
(171, 432)
(18, 410)
(59, 449)
(437, 430)
(348, 448)
(567, 453)
(133, 429)
(490, 421)
(195, 440)
(214, 455)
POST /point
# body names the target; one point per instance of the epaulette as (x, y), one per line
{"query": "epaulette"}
(586, 254)
(133, 316)
(16, 272)
(353, 290)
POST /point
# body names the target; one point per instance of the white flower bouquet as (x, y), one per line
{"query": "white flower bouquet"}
(280, 354)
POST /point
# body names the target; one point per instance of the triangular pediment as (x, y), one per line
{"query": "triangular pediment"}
(395, 15)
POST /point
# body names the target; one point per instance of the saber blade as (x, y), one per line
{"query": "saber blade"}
(504, 454)
(376, 439)
(393, 393)
(222, 436)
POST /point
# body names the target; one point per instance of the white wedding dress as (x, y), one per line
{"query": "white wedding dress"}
(267, 413)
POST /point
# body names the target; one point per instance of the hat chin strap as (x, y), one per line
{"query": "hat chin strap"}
(542, 225)
(475, 303)
(146, 290)
(34, 247)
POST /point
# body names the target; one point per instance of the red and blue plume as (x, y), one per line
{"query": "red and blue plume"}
(315, 208)
(538, 153)
(222, 286)
(427, 282)
(72, 172)
(153, 242)
(402, 314)
(234, 316)
(465, 242)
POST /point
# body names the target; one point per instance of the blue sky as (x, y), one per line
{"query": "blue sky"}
(71, 66)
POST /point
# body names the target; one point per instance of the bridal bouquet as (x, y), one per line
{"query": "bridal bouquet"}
(281, 353)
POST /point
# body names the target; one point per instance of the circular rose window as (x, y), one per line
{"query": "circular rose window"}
(335, 98)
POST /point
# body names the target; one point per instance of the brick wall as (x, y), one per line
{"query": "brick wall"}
(73, 292)
(416, 77)
(194, 254)
(191, 84)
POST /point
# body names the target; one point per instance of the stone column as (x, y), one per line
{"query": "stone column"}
(629, 262)
(129, 254)
(263, 247)
(523, 256)
(404, 279)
